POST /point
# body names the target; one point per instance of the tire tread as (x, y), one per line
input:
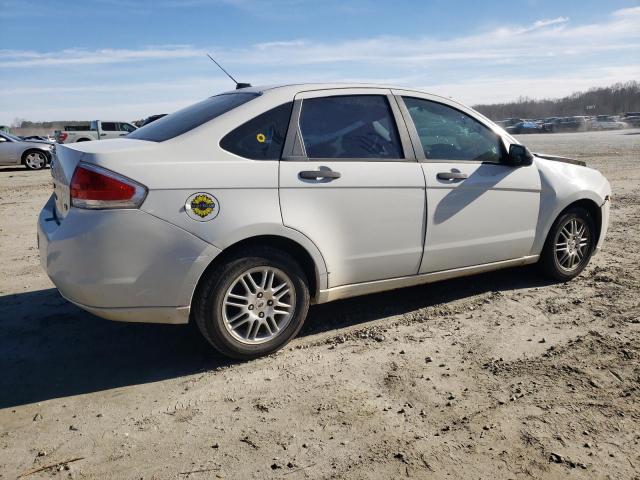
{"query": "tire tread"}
(220, 276)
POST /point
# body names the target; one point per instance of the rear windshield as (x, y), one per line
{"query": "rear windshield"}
(191, 117)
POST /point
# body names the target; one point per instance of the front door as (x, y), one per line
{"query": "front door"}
(9, 151)
(349, 181)
(480, 210)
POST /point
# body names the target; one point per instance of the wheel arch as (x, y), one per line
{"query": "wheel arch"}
(311, 263)
(34, 149)
(594, 209)
(587, 203)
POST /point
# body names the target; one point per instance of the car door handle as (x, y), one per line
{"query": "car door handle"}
(317, 174)
(451, 175)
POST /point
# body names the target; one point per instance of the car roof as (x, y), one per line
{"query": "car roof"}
(294, 88)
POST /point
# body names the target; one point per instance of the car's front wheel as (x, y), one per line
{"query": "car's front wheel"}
(253, 304)
(569, 244)
(35, 159)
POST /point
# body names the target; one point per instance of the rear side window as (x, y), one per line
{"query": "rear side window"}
(261, 138)
(108, 126)
(191, 117)
(349, 127)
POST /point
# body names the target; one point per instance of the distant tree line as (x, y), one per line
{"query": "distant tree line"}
(56, 125)
(613, 100)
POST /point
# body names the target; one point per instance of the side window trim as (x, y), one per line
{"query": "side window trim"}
(294, 149)
(411, 129)
(401, 127)
(415, 138)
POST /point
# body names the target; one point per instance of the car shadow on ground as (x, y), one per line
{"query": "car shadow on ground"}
(49, 348)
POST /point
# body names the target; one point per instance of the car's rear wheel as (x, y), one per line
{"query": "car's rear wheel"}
(34, 159)
(569, 245)
(253, 304)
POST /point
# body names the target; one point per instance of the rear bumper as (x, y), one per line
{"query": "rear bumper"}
(124, 265)
(168, 315)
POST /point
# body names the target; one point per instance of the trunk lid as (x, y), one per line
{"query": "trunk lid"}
(117, 155)
(63, 163)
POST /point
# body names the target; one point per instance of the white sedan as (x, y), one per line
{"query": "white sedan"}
(240, 211)
(607, 122)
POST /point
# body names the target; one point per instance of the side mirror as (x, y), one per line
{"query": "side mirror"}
(519, 156)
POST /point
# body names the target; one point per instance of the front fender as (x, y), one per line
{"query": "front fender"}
(563, 184)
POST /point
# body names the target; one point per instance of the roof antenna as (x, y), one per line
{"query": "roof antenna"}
(239, 85)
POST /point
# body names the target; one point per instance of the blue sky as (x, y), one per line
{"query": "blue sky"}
(125, 59)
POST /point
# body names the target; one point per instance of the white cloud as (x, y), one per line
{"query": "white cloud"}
(22, 58)
(552, 21)
(627, 12)
(547, 58)
(538, 40)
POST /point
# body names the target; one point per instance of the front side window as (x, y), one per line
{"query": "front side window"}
(125, 127)
(349, 127)
(261, 138)
(449, 134)
(191, 117)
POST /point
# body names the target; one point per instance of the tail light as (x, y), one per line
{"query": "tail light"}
(63, 136)
(98, 188)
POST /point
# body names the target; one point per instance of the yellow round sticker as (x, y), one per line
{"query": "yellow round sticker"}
(261, 138)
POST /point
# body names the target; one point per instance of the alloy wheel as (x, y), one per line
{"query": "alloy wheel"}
(258, 305)
(35, 160)
(572, 245)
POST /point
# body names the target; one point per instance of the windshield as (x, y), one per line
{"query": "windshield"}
(191, 117)
(12, 137)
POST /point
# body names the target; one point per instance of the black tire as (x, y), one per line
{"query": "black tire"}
(549, 262)
(36, 151)
(83, 140)
(208, 302)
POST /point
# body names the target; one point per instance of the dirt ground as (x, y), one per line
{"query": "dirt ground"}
(503, 375)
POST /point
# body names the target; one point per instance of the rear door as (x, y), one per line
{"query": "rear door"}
(350, 182)
(480, 210)
(109, 130)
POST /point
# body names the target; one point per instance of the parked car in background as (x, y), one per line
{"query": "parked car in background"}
(33, 154)
(566, 124)
(607, 122)
(509, 122)
(525, 127)
(98, 130)
(41, 138)
(152, 118)
(241, 210)
(632, 119)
